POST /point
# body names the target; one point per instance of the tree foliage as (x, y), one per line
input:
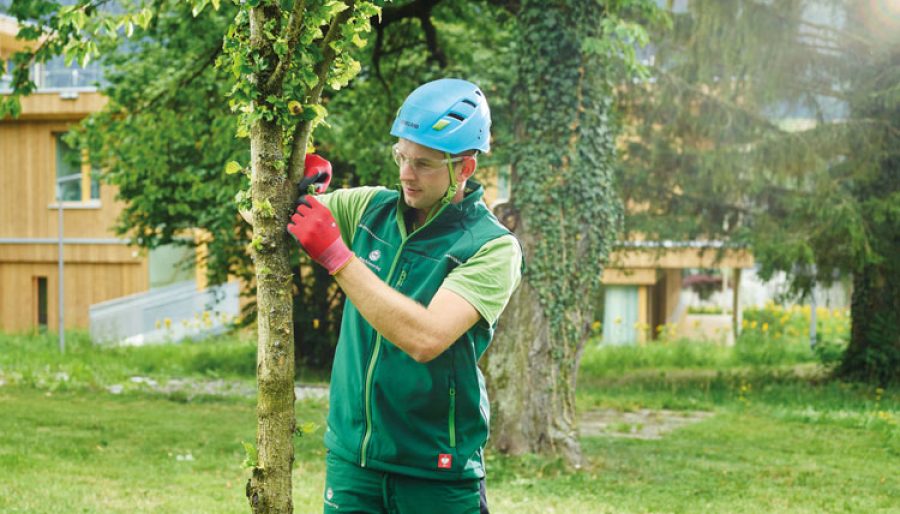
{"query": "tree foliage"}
(773, 125)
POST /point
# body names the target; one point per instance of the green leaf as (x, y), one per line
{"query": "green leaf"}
(144, 18)
(198, 8)
(335, 7)
(251, 456)
(232, 167)
(264, 208)
(306, 428)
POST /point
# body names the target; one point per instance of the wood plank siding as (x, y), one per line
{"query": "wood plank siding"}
(98, 266)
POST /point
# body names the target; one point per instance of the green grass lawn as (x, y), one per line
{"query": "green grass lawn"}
(780, 439)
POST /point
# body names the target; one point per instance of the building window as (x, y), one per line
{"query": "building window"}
(40, 286)
(6, 75)
(55, 75)
(76, 181)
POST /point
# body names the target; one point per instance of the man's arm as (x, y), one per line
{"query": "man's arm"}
(422, 332)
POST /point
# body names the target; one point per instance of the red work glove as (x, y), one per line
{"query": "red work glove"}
(313, 226)
(317, 170)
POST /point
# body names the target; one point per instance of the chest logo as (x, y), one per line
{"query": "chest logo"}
(374, 255)
(445, 461)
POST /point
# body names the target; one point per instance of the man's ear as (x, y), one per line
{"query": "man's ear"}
(468, 168)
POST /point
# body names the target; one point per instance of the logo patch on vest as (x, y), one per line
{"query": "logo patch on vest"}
(374, 255)
(445, 461)
(329, 494)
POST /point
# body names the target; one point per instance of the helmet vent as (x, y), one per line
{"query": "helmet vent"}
(456, 116)
(470, 102)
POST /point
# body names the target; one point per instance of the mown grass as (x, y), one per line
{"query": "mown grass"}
(781, 439)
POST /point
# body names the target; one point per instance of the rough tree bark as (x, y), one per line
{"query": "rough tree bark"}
(269, 488)
(532, 407)
(872, 354)
(273, 190)
(565, 213)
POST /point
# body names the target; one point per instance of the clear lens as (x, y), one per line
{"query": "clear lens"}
(422, 166)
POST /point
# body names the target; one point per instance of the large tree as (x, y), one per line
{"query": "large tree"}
(564, 209)
(774, 125)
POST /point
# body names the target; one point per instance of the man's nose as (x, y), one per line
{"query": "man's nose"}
(406, 171)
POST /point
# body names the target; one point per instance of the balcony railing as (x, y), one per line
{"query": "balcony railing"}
(54, 76)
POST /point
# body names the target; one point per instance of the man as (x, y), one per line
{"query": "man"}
(427, 270)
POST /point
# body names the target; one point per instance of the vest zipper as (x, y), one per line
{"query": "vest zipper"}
(371, 368)
(452, 422)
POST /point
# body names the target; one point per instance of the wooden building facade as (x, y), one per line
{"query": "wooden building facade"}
(37, 168)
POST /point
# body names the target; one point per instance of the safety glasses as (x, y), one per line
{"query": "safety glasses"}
(424, 166)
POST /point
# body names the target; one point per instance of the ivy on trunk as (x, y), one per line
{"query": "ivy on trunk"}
(565, 212)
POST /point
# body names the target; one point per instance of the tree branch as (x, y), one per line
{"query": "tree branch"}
(185, 80)
(411, 10)
(295, 24)
(376, 58)
(431, 39)
(313, 96)
(420, 9)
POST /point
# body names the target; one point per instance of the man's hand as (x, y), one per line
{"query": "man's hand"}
(313, 226)
(317, 170)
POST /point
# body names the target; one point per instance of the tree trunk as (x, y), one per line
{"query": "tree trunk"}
(269, 487)
(564, 211)
(873, 354)
(532, 397)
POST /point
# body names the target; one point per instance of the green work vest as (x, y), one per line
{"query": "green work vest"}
(387, 411)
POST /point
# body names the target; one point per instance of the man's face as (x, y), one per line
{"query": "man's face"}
(423, 187)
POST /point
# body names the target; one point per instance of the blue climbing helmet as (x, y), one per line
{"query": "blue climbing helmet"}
(449, 115)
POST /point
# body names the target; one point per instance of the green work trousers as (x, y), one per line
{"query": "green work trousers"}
(350, 488)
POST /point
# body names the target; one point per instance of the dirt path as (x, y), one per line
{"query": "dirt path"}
(640, 424)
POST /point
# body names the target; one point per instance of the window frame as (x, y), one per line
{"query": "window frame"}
(85, 178)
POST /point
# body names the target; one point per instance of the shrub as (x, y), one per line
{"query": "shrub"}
(774, 333)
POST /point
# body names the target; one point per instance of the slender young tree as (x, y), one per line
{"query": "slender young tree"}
(282, 55)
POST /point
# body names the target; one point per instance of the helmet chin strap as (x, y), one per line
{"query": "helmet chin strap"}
(451, 191)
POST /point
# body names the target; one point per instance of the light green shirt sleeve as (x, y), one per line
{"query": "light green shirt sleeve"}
(488, 279)
(347, 206)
